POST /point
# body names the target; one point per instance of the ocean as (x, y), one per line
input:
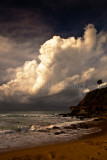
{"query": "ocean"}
(35, 128)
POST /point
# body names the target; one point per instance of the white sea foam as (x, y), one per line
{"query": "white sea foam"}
(64, 124)
(6, 131)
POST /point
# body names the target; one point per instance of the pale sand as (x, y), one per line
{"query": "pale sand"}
(93, 147)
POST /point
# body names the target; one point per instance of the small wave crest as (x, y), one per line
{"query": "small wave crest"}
(64, 124)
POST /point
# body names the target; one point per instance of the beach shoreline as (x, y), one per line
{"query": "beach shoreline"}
(93, 146)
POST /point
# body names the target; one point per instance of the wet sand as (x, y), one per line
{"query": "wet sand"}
(90, 147)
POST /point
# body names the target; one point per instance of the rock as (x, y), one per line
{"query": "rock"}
(65, 114)
(19, 129)
(68, 127)
(42, 130)
(81, 118)
(55, 127)
(57, 133)
(93, 104)
(60, 132)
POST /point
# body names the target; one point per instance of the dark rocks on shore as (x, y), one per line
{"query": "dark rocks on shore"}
(55, 127)
(60, 132)
(65, 114)
(42, 130)
(86, 125)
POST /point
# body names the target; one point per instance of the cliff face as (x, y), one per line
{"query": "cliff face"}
(93, 104)
(95, 97)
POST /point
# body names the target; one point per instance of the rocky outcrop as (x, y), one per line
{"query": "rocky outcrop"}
(93, 104)
(95, 97)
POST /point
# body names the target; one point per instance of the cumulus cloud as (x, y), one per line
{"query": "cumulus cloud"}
(25, 79)
(20, 38)
(63, 62)
(103, 85)
(12, 55)
(86, 90)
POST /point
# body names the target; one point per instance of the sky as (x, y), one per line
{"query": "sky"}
(51, 52)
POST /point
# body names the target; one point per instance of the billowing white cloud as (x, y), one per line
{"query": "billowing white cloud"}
(12, 55)
(86, 90)
(63, 62)
(22, 84)
(102, 85)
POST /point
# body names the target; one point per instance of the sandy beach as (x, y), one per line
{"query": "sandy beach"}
(92, 147)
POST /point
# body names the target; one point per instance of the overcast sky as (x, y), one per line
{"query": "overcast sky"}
(51, 52)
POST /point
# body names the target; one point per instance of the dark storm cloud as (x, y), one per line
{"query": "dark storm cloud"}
(22, 24)
(60, 101)
(63, 17)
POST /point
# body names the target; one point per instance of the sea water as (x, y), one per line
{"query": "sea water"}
(28, 129)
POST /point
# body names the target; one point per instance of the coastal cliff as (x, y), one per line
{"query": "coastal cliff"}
(93, 104)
